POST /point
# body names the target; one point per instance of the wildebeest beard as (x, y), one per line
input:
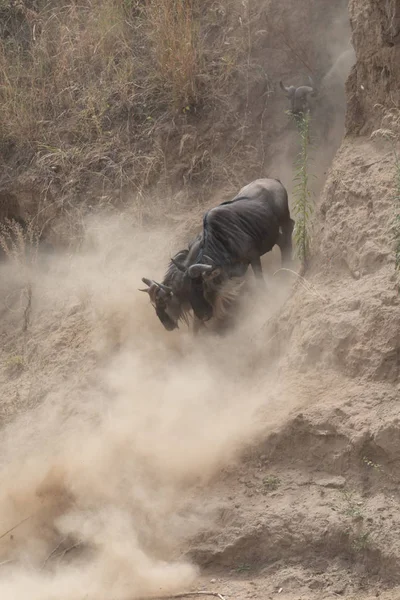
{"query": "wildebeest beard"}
(165, 319)
(201, 307)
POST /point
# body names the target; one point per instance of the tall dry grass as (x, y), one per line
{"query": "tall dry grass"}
(91, 91)
(78, 57)
(174, 33)
(20, 245)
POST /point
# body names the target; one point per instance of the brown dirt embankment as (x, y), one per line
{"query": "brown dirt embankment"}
(270, 458)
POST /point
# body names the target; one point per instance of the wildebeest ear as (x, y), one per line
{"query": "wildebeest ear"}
(289, 91)
(283, 88)
(155, 284)
(178, 265)
(164, 288)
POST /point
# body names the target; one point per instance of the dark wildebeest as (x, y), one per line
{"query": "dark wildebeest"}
(238, 232)
(177, 295)
(235, 235)
(299, 97)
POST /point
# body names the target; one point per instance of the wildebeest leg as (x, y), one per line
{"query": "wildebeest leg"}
(257, 269)
(197, 325)
(285, 242)
(224, 326)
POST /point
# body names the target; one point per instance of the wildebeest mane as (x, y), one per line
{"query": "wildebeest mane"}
(175, 277)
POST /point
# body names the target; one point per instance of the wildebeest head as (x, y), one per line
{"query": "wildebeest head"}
(179, 293)
(167, 305)
(196, 282)
(299, 97)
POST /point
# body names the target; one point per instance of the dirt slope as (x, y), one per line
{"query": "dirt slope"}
(315, 512)
(269, 459)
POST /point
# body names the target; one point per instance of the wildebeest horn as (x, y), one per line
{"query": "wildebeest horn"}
(207, 258)
(150, 283)
(178, 265)
(285, 89)
(198, 269)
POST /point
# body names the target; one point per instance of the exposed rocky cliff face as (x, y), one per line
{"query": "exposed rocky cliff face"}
(356, 329)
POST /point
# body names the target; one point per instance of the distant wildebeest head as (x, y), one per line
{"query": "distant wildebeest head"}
(299, 97)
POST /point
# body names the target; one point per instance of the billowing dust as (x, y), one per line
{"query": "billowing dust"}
(104, 478)
(117, 424)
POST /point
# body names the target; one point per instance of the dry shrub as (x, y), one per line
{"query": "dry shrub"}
(177, 55)
(80, 54)
(98, 96)
(20, 245)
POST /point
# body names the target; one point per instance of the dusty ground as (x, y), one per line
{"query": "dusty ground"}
(272, 455)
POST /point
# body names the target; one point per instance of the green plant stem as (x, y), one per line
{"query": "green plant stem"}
(302, 207)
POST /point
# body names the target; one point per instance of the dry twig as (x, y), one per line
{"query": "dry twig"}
(306, 285)
(17, 525)
(6, 562)
(52, 553)
(69, 549)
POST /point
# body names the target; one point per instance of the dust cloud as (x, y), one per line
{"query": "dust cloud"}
(103, 480)
(118, 426)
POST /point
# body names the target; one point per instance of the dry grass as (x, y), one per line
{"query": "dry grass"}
(391, 135)
(74, 55)
(176, 46)
(20, 245)
(101, 94)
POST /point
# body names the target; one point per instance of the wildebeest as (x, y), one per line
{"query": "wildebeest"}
(208, 275)
(238, 232)
(177, 295)
(299, 97)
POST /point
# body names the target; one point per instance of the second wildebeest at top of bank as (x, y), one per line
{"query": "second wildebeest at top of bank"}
(299, 97)
(236, 233)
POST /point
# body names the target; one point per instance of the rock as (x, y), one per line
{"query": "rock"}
(339, 589)
(336, 482)
(353, 304)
